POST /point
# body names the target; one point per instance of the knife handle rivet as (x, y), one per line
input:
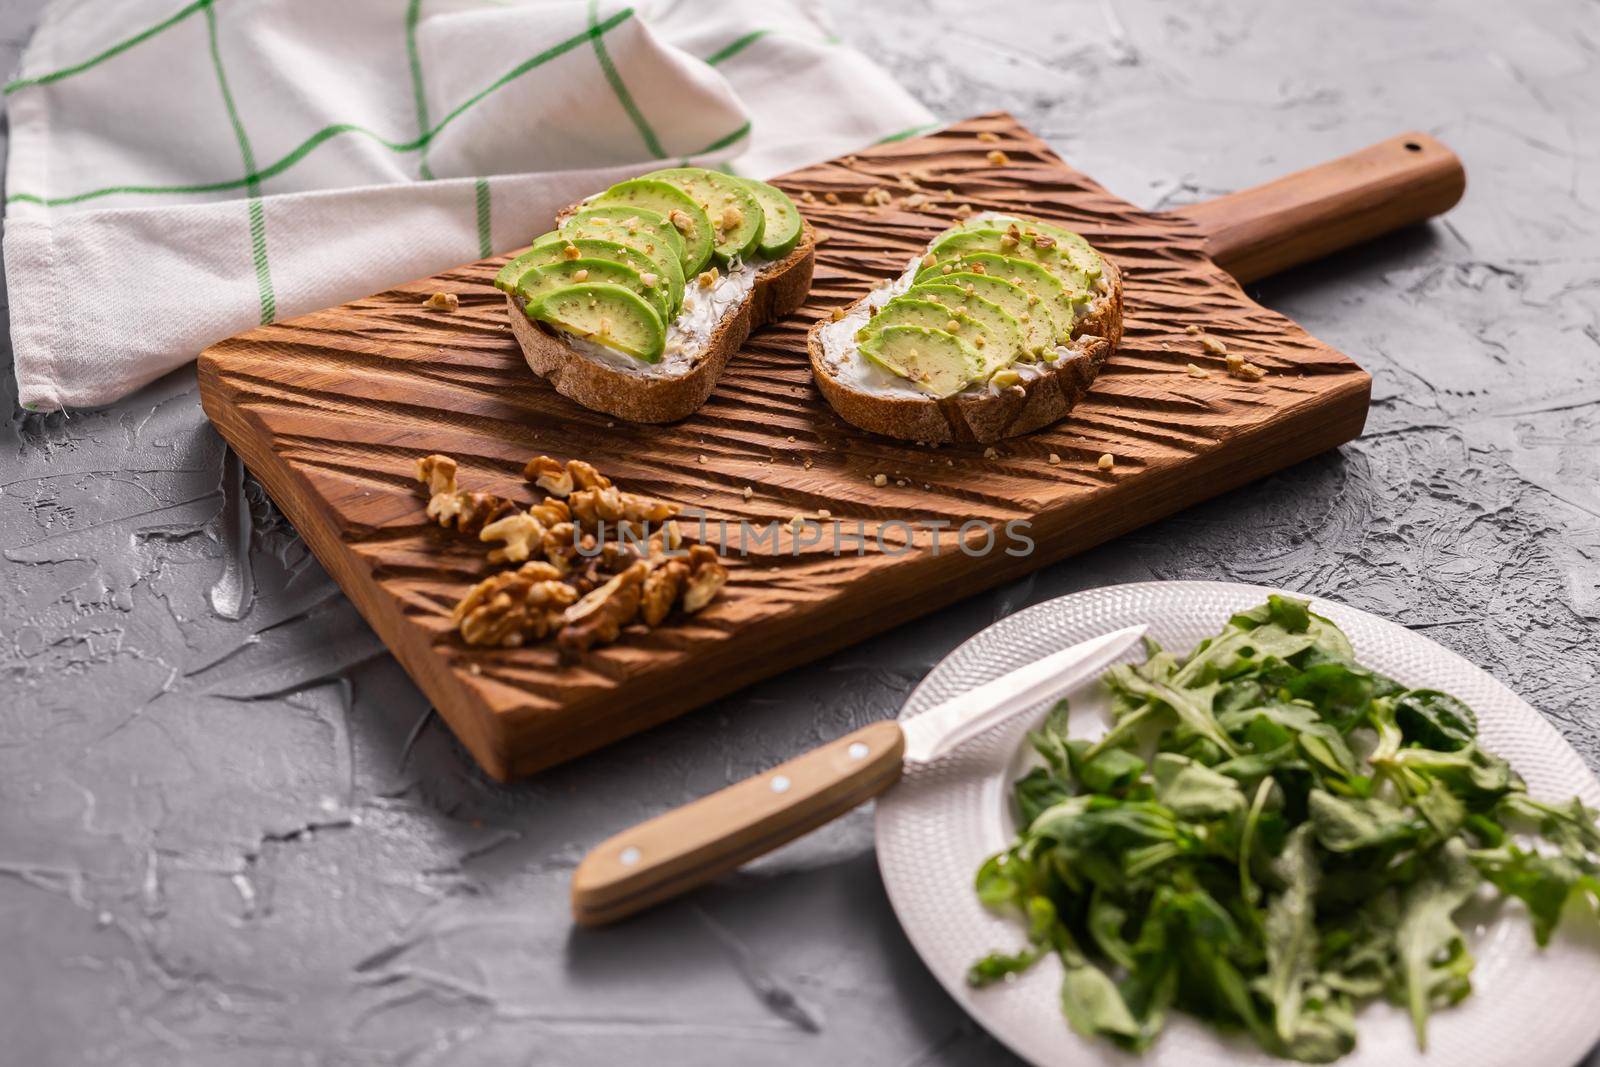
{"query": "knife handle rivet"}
(780, 783)
(629, 856)
(858, 750)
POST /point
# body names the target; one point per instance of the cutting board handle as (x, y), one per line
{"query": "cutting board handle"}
(680, 849)
(1314, 212)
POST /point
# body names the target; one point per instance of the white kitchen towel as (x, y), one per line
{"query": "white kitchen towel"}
(178, 174)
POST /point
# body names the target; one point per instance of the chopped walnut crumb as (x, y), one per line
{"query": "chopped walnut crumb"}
(880, 480)
(680, 220)
(808, 196)
(732, 217)
(707, 278)
(1106, 462)
(700, 458)
(989, 136)
(997, 158)
(824, 513)
(748, 492)
(648, 279)
(1198, 372)
(832, 198)
(443, 302)
(1054, 459)
(1214, 346)
(963, 210)
(991, 452)
(1191, 329)
(1240, 367)
(836, 314)
(570, 252)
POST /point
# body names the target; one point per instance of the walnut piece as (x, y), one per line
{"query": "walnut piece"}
(450, 506)
(707, 576)
(590, 507)
(508, 608)
(661, 588)
(599, 617)
(524, 532)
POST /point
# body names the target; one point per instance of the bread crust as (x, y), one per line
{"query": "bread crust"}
(779, 289)
(984, 416)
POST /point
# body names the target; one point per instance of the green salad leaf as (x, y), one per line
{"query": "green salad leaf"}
(1268, 835)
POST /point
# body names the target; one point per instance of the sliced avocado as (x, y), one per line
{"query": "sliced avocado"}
(935, 360)
(736, 216)
(606, 314)
(1052, 256)
(1063, 305)
(1004, 333)
(1080, 251)
(554, 247)
(918, 311)
(781, 231)
(632, 221)
(1036, 317)
(668, 267)
(673, 204)
(540, 280)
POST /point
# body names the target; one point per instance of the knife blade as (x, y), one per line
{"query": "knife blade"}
(682, 848)
(945, 726)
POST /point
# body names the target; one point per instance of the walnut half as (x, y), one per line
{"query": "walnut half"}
(560, 479)
(508, 608)
(524, 532)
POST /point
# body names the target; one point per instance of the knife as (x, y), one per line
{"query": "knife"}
(676, 851)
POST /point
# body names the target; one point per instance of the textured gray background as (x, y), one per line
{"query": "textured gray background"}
(239, 836)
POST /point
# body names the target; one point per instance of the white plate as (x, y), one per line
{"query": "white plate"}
(1528, 1006)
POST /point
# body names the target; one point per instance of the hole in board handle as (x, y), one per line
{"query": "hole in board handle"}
(1412, 146)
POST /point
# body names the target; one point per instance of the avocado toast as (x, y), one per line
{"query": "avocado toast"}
(997, 330)
(634, 304)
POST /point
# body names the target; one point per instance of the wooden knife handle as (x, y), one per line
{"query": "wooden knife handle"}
(679, 850)
(1311, 213)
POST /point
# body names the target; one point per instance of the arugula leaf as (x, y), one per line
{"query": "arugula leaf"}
(1543, 883)
(1344, 824)
(1431, 949)
(1435, 720)
(1194, 791)
(1291, 933)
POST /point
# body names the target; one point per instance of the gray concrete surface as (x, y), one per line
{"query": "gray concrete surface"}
(232, 833)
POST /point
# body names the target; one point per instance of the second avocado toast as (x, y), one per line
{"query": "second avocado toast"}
(997, 330)
(635, 303)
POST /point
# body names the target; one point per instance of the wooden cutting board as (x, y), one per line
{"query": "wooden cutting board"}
(330, 411)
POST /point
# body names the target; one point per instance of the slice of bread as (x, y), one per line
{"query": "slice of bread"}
(981, 414)
(616, 388)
